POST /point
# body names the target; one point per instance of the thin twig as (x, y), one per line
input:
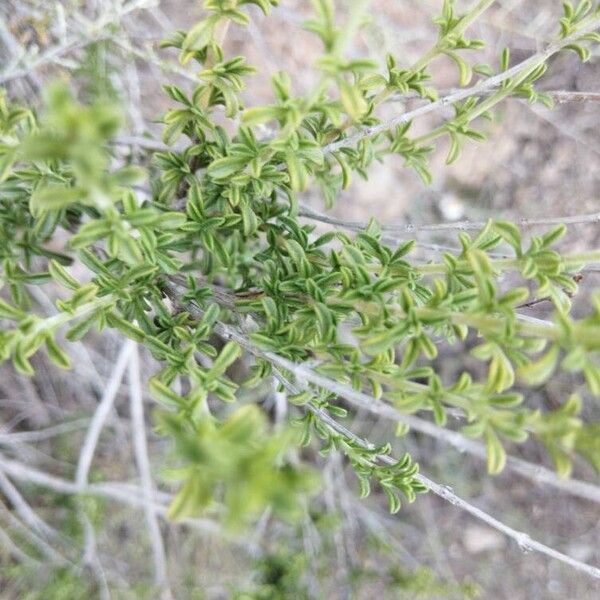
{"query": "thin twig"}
(87, 454)
(526, 543)
(27, 437)
(559, 96)
(524, 540)
(138, 429)
(45, 549)
(309, 213)
(142, 142)
(462, 94)
(25, 511)
(104, 407)
(119, 492)
(9, 545)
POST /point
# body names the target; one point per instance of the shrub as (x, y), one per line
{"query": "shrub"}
(205, 259)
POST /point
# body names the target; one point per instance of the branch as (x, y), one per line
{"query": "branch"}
(142, 142)
(140, 446)
(559, 96)
(536, 473)
(87, 454)
(483, 86)
(119, 492)
(25, 437)
(45, 549)
(9, 546)
(25, 511)
(368, 403)
(526, 543)
(309, 213)
(564, 96)
(97, 423)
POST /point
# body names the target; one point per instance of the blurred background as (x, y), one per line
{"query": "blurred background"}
(537, 163)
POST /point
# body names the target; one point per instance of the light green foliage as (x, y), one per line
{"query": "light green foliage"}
(220, 240)
(238, 456)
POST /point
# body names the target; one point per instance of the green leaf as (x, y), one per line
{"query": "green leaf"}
(464, 68)
(297, 172)
(454, 150)
(325, 323)
(510, 234)
(62, 276)
(190, 500)
(259, 114)
(249, 220)
(539, 371)
(170, 220)
(592, 377)
(55, 198)
(78, 331)
(201, 34)
(352, 100)
(22, 365)
(496, 455)
(365, 487)
(514, 297)
(164, 394)
(129, 329)
(56, 354)
(393, 499)
(227, 166)
(89, 233)
(228, 355)
(500, 373)
(10, 312)
(480, 262)
(562, 461)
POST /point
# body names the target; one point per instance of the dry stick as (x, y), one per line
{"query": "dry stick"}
(153, 60)
(526, 543)
(14, 48)
(104, 407)
(27, 437)
(564, 96)
(138, 428)
(25, 511)
(559, 96)
(142, 142)
(87, 454)
(119, 492)
(7, 544)
(309, 213)
(482, 86)
(48, 551)
(305, 374)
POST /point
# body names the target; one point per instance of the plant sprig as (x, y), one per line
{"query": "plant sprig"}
(222, 223)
